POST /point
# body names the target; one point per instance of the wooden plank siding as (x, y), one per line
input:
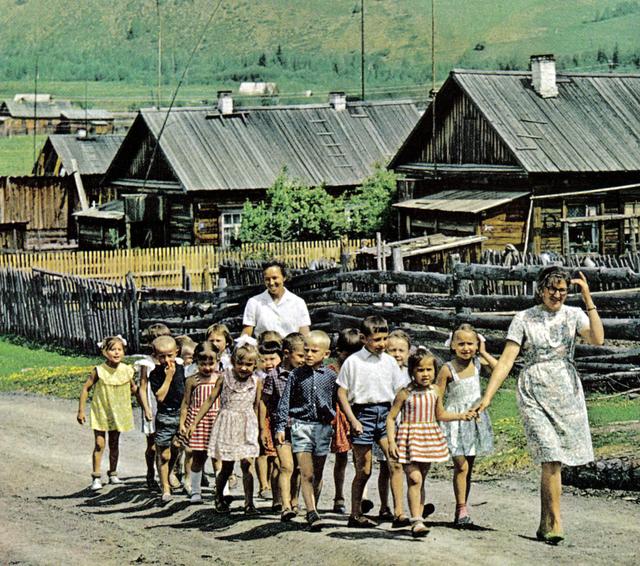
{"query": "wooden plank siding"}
(463, 135)
(505, 225)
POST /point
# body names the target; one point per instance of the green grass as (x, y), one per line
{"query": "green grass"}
(16, 154)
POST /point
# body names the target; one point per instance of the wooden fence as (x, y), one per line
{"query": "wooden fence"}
(193, 267)
(66, 311)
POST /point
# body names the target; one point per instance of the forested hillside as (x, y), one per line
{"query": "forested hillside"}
(299, 44)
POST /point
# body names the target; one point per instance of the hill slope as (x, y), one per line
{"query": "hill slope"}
(300, 44)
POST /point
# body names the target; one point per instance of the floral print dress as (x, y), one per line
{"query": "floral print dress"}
(549, 391)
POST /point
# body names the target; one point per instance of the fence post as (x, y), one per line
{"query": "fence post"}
(131, 308)
(460, 286)
(398, 266)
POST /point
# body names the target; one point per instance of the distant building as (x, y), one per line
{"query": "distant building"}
(542, 160)
(190, 188)
(258, 89)
(27, 112)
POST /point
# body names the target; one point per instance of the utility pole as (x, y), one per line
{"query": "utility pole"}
(362, 49)
(433, 89)
(159, 53)
(35, 110)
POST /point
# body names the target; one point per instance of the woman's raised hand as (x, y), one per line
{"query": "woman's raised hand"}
(581, 282)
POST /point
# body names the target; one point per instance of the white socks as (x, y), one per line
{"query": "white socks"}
(196, 479)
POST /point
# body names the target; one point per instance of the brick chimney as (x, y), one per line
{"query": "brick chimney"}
(543, 75)
(338, 100)
(225, 102)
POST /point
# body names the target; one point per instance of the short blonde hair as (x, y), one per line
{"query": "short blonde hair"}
(319, 337)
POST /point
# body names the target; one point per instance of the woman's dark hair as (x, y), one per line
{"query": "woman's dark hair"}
(275, 263)
(548, 275)
(270, 347)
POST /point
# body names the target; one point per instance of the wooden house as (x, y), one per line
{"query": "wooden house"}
(43, 113)
(185, 177)
(540, 160)
(90, 156)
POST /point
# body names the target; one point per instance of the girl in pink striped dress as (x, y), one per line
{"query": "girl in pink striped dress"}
(419, 440)
(197, 390)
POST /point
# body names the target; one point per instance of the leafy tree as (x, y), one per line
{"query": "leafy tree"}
(293, 211)
(369, 208)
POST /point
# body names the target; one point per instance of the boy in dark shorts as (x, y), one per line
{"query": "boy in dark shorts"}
(309, 400)
(367, 385)
(167, 384)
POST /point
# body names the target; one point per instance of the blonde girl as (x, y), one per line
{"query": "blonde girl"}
(197, 390)
(220, 337)
(110, 407)
(460, 379)
(234, 435)
(419, 440)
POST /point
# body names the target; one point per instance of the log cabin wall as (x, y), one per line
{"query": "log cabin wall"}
(505, 225)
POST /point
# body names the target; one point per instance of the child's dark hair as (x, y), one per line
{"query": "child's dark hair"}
(154, 331)
(205, 350)
(373, 325)
(220, 329)
(292, 342)
(349, 340)
(270, 347)
(464, 327)
(420, 354)
(269, 336)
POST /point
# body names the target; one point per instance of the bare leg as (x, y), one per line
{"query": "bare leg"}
(550, 492)
(246, 465)
(362, 463)
(188, 464)
(318, 470)
(262, 469)
(98, 451)
(114, 451)
(339, 469)
(150, 456)
(295, 486)
(383, 486)
(165, 463)
(275, 483)
(306, 465)
(395, 474)
(285, 459)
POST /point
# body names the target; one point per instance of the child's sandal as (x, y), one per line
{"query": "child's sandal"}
(250, 510)
(220, 506)
(419, 529)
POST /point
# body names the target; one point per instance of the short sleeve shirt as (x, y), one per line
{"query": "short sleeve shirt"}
(371, 378)
(173, 399)
(288, 315)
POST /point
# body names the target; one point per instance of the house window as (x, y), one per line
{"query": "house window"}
(231, 222)
(583, 237)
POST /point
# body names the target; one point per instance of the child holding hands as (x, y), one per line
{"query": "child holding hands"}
(419, 440)
(234, 435)
(197, 390)
(111, 405)
(461, 379)
(309, 401)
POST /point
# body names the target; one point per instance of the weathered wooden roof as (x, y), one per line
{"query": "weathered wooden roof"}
(247, 149)
(44, 110)
(88, 114)
(112, 210)
(93, 154)
(593, 125)
(469, 201)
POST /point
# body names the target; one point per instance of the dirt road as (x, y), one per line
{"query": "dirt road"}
(48, 516)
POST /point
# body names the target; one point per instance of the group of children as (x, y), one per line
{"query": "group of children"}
(276, 403)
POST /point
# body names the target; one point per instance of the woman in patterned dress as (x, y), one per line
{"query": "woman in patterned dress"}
(549, 391)
(197, 390)
(419, 440)
(234, 435)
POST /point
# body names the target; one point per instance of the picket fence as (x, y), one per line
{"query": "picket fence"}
(191, 267)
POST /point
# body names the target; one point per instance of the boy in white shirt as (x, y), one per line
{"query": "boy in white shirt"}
(368, 382)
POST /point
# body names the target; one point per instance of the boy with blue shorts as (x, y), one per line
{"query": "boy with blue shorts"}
(308, 402)
(367, 384)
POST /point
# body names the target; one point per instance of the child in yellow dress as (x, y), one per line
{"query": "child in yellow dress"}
(110, 407)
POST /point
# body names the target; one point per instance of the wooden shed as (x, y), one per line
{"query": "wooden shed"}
(209, 161)
(571, 141)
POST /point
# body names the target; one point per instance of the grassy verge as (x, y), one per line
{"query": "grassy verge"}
(16, 154)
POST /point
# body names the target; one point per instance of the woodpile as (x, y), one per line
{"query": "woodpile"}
(614, 473)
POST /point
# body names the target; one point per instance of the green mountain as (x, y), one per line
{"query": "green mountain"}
(300, 44)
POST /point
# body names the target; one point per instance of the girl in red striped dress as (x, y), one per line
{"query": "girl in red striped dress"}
(419, 440)
(197, 391)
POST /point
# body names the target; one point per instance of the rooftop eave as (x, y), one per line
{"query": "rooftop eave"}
(436, 170)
